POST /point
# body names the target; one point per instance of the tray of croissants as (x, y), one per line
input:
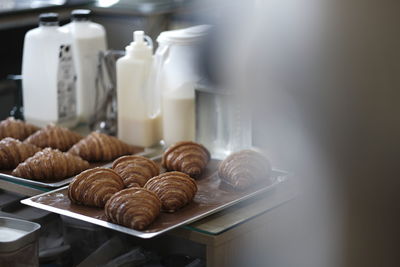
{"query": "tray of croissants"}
(145, 197)
(53, 155)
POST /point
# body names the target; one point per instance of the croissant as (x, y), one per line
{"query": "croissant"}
(244, 169)
(17, 129)
(13, 152)
(188, 157)
(94, 187)
(174, 189)
(55, 137)
(133, 207)
(135, 170)
(50, 165)
(100, 147)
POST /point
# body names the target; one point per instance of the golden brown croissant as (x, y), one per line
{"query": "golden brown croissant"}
(50, 165)
(174, 189)
(13, 152)
(135, 170)
(17, 129)
(133, 207)
(94, 187)
(55, 137)
(244, 169)
(100, 147)
(188, 157)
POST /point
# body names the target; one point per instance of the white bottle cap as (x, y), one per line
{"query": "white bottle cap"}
(139, 45)
(138, 37)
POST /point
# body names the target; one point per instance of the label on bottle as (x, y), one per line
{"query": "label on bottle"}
(66, 84)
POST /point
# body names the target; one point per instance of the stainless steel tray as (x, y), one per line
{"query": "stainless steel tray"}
(66, 181)
(210, 198)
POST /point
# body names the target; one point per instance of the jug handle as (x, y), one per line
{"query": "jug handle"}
(154, 92)
(149, 41)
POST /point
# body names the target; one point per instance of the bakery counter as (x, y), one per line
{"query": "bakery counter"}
(237, 235)
(233, 237)
(217, 239)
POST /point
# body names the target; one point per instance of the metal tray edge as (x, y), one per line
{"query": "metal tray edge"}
(88, 219)
(282, 177)
(62, 182)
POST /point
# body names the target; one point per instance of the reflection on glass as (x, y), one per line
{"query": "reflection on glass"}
(106, 3)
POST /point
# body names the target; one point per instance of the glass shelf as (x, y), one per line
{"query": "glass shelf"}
(240, 213)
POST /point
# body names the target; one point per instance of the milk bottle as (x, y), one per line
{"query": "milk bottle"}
(177, 76)
(48, 75)
(138, 114)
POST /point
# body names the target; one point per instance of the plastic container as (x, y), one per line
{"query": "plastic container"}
(176, 78)
(89, 39)
(48, 75)
(18, 242)
(138, 116)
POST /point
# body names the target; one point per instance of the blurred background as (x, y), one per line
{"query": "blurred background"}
(322, 82)
(119, 17)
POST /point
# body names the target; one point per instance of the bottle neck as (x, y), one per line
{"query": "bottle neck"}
(138, 53)
(83, 21)
(48, 24)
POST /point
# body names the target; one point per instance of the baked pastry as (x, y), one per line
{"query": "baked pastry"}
(135, 170)
(133, 207)
(188, 157)
(101, 147)
(17, 129)
(55, 137)
(244, 169)
(94, 187)
(174, 189)
(13, 152)
(50, 165)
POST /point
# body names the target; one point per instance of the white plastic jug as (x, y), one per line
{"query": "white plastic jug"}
(89, 39)
(176, 78)
(48, 75)
(138, 116)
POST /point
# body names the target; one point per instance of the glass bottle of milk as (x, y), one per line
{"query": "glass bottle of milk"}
(89, 39)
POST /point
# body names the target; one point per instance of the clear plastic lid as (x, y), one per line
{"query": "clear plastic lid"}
(183, 36)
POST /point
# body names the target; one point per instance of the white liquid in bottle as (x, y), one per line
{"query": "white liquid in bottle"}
(179, 115)
(137, 123)
(48, 75)
(89, 39)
